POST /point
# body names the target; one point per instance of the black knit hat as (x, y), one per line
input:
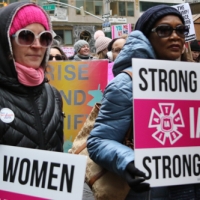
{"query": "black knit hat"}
(146, 22)
(194, 45)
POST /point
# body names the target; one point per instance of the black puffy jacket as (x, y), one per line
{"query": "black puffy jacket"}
(38, 118)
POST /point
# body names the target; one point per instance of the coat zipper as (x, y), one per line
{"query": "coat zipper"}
(38, 123)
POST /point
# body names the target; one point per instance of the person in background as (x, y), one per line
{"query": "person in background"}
(82, 49)
(101, 44)
(195, 50)
(72, 57)
(114, 48)
(26, 95)
(56, 53)
(159, 34)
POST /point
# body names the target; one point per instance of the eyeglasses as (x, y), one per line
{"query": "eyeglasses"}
(166, 30)
(25, 37)
(57, 57)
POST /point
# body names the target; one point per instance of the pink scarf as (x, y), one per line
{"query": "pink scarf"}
(29, 76)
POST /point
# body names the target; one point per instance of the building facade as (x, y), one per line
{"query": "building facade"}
(79, 19)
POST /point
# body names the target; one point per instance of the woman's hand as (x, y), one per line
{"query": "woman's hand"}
(136, 184)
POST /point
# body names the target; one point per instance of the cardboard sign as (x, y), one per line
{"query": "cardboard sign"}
(185, 11)
(81, 85)
(166, 99)
(40, 175)
(119, 30)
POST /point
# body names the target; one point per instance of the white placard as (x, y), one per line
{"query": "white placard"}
(185, 11)
(166, 114)
(37, 174)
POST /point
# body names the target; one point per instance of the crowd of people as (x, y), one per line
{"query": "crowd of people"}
(26, 45)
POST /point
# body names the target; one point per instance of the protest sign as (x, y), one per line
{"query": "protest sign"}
(69, 51)
(81, 85)
(40, 175)
(119, 30)
(110, 73)
(185, 11)
(166, 121)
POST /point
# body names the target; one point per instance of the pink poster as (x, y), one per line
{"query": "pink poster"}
(119, 30)
(166, 110)
(110, 73)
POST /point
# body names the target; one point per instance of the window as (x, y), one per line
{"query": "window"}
(68, 37)
(146, 5)
(65, 35)
(130, 9)
(93, 6)
(78, 5)
(122, 8)
(98, 7)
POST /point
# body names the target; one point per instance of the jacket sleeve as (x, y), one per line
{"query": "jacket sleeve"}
(114, 118)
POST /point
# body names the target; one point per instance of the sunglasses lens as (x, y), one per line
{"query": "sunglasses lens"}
(26, 37)
(46, 39)
(164, 31)
(182, 31)
(58, 57)
(50, 57)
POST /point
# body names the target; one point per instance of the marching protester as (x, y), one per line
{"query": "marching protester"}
(195, 50)
(82, 50)
(159, 34)
(34, 106)
(101, 44)
(56, 53)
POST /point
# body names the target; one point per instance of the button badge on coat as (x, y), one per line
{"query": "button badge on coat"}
(6, 115)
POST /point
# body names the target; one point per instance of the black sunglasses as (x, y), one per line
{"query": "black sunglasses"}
(57, 57)
(166, 30)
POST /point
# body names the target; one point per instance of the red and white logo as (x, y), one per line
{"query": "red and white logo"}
(166, 122)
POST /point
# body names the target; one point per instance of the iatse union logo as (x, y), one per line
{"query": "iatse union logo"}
(6, 115)
(166, 121)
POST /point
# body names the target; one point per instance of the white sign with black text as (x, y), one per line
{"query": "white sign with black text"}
(37, 174)
(166, 113)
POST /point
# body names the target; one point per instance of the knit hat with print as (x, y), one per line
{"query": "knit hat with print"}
(79, 44)
(27, 15)
(101, 42)
(194, 45)
(146, 22)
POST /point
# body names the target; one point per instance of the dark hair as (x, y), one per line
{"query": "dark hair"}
(194, 45)
(113, 41)
(60, 50)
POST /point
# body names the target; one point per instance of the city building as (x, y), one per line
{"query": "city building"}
(79, 19)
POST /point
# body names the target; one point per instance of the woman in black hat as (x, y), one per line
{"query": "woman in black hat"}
(195, 48)
(159, 34)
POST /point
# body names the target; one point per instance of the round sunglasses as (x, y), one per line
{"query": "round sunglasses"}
(57, 57)
(25, 37)
(166, 30)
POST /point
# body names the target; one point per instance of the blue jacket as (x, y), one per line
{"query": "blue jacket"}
(115, 116)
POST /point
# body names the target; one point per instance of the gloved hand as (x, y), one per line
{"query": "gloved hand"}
(136, 183)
